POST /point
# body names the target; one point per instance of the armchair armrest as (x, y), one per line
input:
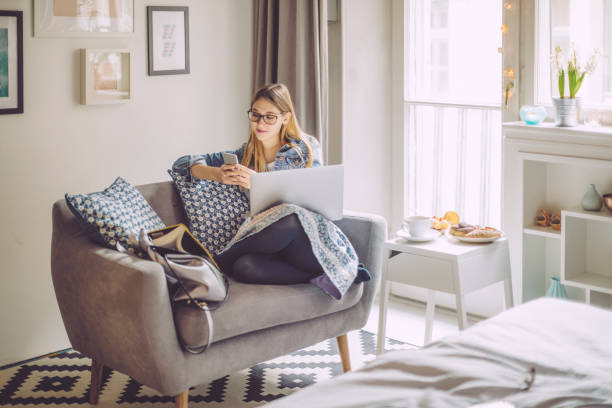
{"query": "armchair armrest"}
(115, 307)
(367, 232)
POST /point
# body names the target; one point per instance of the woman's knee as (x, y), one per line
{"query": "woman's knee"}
(246, 269)
(289, 222)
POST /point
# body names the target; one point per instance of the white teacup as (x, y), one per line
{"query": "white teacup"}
(417, 225)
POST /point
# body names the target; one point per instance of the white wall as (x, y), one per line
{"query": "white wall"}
(59, 146)
(366, 34)
(334, 61)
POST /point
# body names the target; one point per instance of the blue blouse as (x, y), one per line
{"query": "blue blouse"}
(287, 157)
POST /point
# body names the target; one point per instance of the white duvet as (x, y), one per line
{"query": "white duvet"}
(564, 349)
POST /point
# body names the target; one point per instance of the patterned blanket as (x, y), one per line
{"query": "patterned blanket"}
(329, 244)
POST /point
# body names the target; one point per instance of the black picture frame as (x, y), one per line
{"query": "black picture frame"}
(19, 35)
(154, 40)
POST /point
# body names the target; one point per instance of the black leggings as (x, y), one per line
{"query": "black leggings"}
(279, 254)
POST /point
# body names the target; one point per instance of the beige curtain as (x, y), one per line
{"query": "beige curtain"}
(291, 47)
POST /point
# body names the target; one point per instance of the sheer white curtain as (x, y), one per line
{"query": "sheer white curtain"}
(452, 109)
(291, 47)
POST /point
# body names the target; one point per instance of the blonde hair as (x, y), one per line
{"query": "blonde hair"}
(278, 94)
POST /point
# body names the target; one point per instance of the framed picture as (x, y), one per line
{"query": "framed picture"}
(78, 18)
(168, 30)
(106, 76)
(11, 62)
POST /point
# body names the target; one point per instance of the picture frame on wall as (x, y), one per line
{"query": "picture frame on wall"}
(78, 18)
(11, 62)
(106, 76)
(168, 38)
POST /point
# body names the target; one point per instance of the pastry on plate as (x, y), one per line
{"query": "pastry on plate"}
(486, 232)
(461, 229)
(439, 224)
(449, 218)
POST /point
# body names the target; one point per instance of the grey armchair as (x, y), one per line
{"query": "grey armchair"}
(116, 310)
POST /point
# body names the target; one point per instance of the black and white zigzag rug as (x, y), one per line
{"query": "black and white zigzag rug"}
(63, 380)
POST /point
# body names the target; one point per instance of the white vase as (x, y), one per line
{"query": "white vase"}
(567, 111)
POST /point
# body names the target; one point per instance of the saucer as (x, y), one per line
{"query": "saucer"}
(430, 235)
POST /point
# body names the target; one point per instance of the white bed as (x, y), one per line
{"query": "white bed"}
(567, 343)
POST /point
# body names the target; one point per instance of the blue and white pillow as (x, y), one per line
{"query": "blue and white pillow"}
(111, 215)
(214, 211)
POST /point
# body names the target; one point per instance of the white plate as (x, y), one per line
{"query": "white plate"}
(474, 240)
(430, 235)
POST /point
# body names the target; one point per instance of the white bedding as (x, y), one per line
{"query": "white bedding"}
(569, 344)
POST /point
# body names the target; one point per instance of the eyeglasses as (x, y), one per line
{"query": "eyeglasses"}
(268, 118)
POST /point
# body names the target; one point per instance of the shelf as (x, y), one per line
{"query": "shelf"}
(547, 232)
(549, 167)
(603, 215)
(592, 281)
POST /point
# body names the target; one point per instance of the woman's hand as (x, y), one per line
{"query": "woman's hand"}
(236, 174)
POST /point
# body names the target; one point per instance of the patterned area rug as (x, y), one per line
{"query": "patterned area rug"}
(63, 380)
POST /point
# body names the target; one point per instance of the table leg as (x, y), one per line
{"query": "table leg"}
(429, 315)
(461, 316)
(382, 314)
(587, 296)
(508, 297)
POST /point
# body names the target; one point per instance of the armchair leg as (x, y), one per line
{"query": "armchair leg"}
(96, 380)
(344, 352)
(181, 400)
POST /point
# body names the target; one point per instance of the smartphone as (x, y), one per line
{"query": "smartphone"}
(229, 158)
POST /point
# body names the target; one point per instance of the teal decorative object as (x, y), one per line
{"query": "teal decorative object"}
(556, 289)
(532, 115)
(591, 201)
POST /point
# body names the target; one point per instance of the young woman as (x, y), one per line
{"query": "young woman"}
(281, 253)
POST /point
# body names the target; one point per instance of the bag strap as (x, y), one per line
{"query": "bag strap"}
(203, 306)
(200, 305)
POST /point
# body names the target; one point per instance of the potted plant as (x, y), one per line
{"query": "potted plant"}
(567, 107)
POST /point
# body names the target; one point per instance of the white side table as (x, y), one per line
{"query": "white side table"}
(444, 265)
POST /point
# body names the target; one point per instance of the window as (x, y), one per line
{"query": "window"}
(587, 25)
(453, 108)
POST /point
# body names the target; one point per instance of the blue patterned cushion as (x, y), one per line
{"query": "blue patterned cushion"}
(109, 216)
(214, 211)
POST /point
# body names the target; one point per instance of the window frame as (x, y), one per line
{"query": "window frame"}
(403, 65)
(533, 88)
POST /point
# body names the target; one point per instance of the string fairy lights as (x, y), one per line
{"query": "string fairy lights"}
(509, 72)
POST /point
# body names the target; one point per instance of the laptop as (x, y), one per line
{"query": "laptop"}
(319, 189)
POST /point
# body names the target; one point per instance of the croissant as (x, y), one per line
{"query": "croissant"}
(542, 218)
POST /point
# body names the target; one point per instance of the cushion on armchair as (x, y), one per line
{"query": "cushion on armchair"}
(214, 211)
(109, 216)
